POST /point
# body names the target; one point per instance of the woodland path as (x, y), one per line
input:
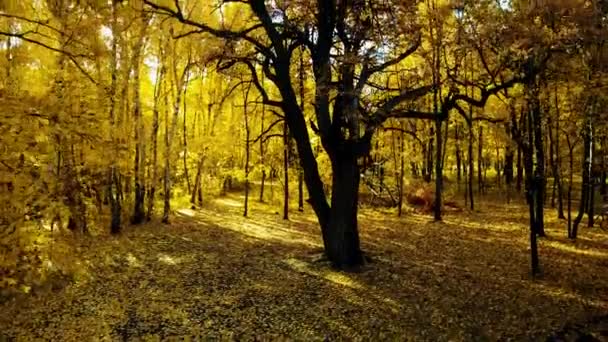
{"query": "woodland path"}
(213, 274)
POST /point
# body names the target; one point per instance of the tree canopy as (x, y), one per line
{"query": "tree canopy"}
(122, 112)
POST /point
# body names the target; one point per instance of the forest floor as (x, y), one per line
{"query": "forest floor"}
(213, 274)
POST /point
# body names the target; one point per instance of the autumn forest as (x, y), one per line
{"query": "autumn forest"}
(424, 170)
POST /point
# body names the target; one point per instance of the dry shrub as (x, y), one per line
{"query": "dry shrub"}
(421, 195)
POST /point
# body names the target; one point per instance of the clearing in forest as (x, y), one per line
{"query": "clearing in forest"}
(214, 274)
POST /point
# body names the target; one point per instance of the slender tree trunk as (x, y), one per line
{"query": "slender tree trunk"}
(180, 84)
(458, 155)
(154, 138)
(508, 167)
(300, 169)
(586, 169)
(539, 174)
(585, 185)
(262, 155)
(247, 152)
(115, 203)
(438, 172)
(552, 162)
(519, 170)
(480, 184)
(591, 179)
(301, 190)
(401, 169)
(531, 194)
(557, 171)
(197, 191)
(185, 132)
(470, 168)
(603, 174)
(140, 191)
(167, 170)
(430, 156)
(571, 176)
(285, 172)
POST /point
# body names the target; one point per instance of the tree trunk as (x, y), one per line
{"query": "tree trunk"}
(539, 173)
(138, 170)
(520, 169)
(154, 139)
(471, 169)
(480, 161)
(531, 194)
(401, 169)
(285, 172)
(247, 150)
(591, 178)
(262, 155)
(508, 167)
(113, 180)
(557, 162)
(586, 168)
(430, 157)
(571, 176)
(166, 172)
(438, 172)
(342, 246)
(185, 133)
(458, 156)
(300, 169)
(196, 197)
(301, 190)
(180, 83)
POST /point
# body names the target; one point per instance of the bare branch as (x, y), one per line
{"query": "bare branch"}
(70, 55)
(203, 28)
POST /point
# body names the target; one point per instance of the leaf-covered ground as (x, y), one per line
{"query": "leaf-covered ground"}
(213, 274)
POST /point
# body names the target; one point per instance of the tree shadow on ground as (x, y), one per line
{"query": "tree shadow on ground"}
(217, 275)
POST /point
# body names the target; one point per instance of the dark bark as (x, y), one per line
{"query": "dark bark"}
(591, 179)
(140, 191)
(571, 176)
(532, 192)
(438, 173)
(285, 172)
(301, 190)
(557, 162)
(508, 167)
(196, 198)
(458, 155)
(519, 169)
(262, 157)
(535, 265)
(300, 169)
(430, 157)
(586, 166)
(401, 171)
(343, 249)
(113, 174)
(154, 139)
(115, 203)
(539, 172)
(247, 149)
(480, 184)
(185, 142)
(470, 168)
